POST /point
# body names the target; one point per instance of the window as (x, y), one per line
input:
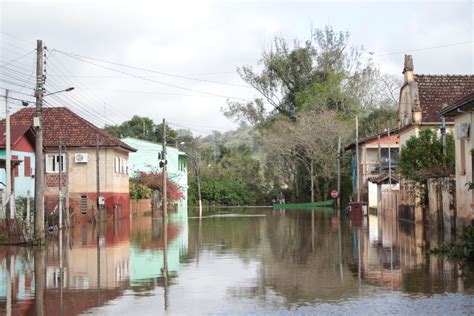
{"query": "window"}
(15, 170)
(83, 204)
(27, 166)
(117, 165)
(54, 162)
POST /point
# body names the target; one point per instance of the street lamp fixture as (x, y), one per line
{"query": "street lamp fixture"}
(65, 90)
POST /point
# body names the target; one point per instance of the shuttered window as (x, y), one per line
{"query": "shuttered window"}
(27, 166)
(16, 173)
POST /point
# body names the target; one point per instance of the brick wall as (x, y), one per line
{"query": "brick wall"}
(52, 180)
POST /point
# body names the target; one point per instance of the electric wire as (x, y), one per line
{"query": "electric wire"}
(153, 71)
(155, 81)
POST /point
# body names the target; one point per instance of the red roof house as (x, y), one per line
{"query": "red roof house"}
(77, 164)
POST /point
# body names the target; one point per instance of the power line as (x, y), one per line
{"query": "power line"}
(422, 49)
(155, 81)
(154, 71)
(86, 96)
(14, 60)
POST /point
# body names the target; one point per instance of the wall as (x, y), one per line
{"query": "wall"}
(146, 159)
(464, 197)
(81, 181)
(22, 183)
(441, 206)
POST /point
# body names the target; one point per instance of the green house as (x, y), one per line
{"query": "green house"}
(147, 158)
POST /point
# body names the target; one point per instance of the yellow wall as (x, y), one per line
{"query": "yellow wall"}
(82, 176)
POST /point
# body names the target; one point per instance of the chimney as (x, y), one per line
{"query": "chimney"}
(408, 69)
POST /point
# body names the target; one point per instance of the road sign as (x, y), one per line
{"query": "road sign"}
(334, 194)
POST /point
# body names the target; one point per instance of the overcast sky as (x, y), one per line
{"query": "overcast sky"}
(206, 40)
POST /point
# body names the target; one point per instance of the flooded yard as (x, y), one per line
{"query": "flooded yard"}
(237, 261)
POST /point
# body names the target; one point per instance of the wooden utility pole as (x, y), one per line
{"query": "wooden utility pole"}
(60, 196)
(39, 161)
(198, 178)
(339, 153)
(357, 160)
(389, 161)
(97, 178)
(164, 195)
(7, 205)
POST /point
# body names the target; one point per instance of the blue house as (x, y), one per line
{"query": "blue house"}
(22, 140)
(146, 159)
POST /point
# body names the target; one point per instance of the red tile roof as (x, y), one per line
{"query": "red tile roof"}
(16, 133)
(464, 104)
(436, 91)
(60, 123)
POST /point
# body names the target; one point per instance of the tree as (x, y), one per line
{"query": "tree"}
(142, 128)
(311, 141)
(321, 75)
(422, 157)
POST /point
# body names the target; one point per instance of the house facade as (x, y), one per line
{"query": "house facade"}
(374, 161)
(462, 113)
(77, 165)
(147, 158)
(423, 96)
(22, 140)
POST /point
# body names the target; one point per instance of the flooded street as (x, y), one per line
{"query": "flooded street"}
(240, 261)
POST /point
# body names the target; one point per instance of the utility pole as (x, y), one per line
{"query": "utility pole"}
(339, 153)
(197, 171)
(164, 195)
(443, 135)
(97, 179)
(357, 160)
(7, 206)
(389, 161)
(60, 202)
(39, 161)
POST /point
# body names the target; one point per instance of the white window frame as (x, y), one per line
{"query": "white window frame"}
(53, 163)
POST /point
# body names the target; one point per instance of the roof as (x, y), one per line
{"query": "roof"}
(435, 91)
(61, 124)
(393, 133)
(16, 133)
(463, 104)
(383, 178)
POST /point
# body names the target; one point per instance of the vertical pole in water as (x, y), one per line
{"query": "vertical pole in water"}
(165, 260)
(357, 160)
(40, 275)
(164, 195)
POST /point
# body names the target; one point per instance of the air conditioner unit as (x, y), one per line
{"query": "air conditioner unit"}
(81, 158)
(462, 130)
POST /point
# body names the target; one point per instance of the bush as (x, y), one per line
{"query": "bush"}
(461, 250)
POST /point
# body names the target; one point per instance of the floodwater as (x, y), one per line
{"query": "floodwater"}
(237, 261)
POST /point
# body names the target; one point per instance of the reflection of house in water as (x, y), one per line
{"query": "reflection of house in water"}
(394, 256)
(146, 252)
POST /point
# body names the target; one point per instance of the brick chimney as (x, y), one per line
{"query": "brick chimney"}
(408, 69)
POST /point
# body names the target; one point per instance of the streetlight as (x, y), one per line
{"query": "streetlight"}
(39, 155)
(65, 90)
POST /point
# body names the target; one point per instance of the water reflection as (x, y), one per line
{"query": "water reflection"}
(264, 261)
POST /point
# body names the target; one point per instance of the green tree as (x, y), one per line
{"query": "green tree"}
(142, 128)
(422, 157)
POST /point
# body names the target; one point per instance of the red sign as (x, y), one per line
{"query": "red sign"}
(334, 194)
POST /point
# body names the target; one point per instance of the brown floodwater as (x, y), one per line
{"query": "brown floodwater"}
(236, 261)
